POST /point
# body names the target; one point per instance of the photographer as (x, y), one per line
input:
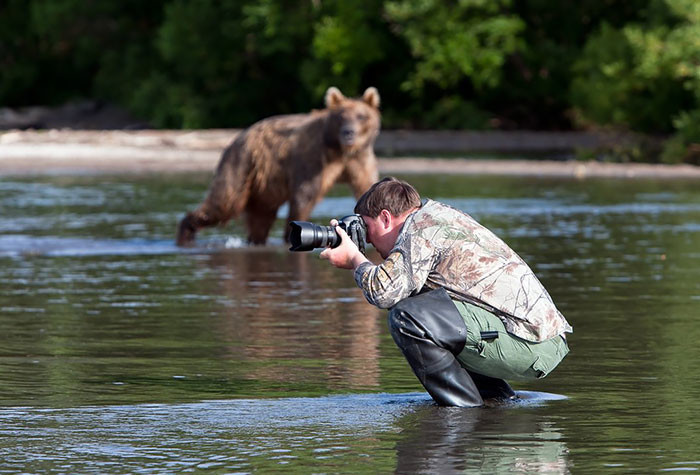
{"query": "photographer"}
(466, 311)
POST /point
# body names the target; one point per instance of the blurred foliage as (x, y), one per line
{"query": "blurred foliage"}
(645, 76)
(451, 41)
(471, 64)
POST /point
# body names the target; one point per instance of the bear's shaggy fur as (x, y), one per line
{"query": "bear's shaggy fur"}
(295, 158)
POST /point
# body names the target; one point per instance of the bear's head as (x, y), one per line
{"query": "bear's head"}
(353, 124)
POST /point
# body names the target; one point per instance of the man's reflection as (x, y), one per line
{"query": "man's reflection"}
(448, 440)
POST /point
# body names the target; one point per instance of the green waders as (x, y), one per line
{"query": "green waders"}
(461, 353)
(491, 350)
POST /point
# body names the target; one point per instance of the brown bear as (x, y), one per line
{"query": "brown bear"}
(295, 158)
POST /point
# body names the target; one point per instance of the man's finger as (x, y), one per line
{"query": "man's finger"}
(344, 238)
(341, 232)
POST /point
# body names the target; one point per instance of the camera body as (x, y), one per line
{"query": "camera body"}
(305, 236)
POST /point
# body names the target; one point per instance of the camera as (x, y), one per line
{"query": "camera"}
(305, 236)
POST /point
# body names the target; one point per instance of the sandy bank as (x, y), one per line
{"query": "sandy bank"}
(85, 152)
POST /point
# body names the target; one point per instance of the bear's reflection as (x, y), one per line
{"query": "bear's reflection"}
(300, 315)
(449, 440)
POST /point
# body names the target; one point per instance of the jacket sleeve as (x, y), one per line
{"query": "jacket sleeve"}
(402, 274)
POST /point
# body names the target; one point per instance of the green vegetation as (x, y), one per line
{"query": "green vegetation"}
(631, 65)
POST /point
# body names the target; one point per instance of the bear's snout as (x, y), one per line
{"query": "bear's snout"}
(348, 135)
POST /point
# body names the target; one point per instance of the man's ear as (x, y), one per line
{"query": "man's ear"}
(386, 218)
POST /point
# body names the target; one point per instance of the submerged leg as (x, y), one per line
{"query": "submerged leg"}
(191, 223)
(227, 196)
(430, 331)
(206, 215)
(492, 388)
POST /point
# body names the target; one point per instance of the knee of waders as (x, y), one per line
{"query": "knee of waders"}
(430, 316)
(401, 324)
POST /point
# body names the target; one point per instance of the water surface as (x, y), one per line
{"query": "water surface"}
(121, 353)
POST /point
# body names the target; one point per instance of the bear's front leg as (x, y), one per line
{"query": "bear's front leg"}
(260, 216)
(361, 174)
(302, 201)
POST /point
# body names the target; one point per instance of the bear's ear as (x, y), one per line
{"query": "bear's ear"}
(371, 97)
(334, 97)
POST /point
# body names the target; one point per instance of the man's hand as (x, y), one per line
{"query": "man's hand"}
(346, 255)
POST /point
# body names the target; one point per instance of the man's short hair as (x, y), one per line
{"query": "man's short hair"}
(391, 194)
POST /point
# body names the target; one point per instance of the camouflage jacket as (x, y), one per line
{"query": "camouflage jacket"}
(440, 246)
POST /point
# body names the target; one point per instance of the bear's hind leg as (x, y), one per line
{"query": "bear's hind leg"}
(186, 230)
(218, 208)
(191, 223)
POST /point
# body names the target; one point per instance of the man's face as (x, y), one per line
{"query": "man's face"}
(379, 234)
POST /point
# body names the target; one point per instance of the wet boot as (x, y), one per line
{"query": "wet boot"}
(430, 331)
(492, 388)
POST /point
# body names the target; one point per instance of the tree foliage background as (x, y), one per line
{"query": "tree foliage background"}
(471, 64)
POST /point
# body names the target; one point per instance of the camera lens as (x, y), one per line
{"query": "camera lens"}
(304, 236)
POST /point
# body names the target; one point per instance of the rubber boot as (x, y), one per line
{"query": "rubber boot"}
(430, 331)
(492, 388)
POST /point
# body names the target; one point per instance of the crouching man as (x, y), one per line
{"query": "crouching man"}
(466, 311)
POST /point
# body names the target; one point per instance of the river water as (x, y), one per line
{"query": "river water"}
(120, 353)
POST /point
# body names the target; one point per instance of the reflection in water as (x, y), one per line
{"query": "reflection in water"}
(282, 308)
(404, 433)
(487, 440)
